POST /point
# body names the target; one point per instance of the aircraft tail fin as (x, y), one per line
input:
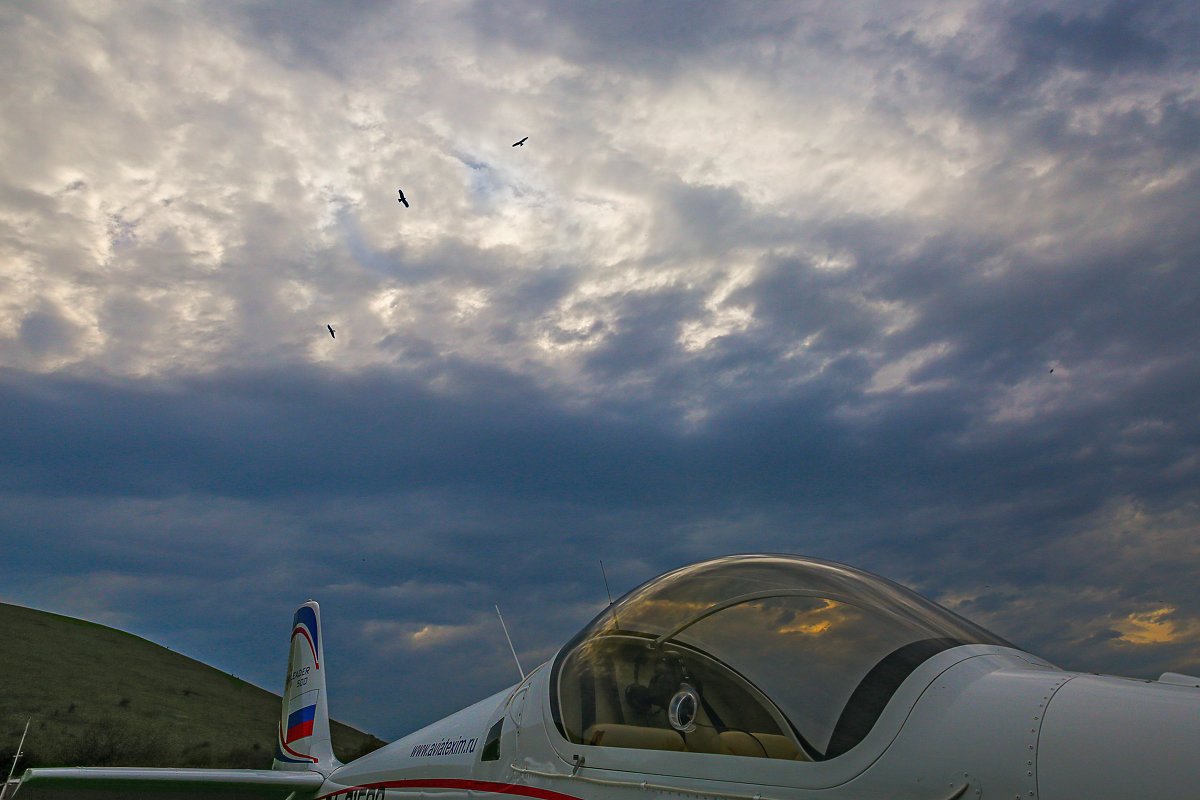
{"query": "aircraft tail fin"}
(302, 741)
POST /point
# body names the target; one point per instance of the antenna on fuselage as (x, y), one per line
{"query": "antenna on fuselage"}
(608, 591)
(510, 644)
(13, 768)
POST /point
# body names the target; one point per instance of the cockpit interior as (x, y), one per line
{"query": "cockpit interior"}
(777, 657)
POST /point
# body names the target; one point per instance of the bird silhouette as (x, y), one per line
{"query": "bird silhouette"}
(331, 336)
(402, 198)
(520, 143)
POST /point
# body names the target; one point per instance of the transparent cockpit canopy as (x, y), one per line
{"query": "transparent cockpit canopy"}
(772, 656)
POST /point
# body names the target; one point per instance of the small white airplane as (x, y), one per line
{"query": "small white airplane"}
(754, 677)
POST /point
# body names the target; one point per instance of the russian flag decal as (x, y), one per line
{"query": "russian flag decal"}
(302, 712)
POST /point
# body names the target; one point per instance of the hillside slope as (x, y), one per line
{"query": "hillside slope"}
(102, 697)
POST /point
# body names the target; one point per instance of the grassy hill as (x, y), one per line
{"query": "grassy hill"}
(102, 697)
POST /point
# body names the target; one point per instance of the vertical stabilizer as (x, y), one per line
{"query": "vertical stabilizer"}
(302, 741)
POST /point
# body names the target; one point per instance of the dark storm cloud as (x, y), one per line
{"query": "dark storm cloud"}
(1036, 67)
(306, 34)
(705, 220)
(1119, 37)
(352, 487)
(1090, 303)
(644, 36)
(302, 433)
(795, 299)
(47, 332)
(646, 338)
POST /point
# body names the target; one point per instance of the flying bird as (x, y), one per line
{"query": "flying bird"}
(402, 198)
(331, 336)
(520, 143)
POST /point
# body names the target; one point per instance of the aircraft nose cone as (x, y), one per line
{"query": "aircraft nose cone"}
(1119, 739)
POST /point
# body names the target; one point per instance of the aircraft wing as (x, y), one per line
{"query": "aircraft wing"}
(258, 783)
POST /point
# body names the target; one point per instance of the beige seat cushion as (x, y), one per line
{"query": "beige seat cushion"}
(770, 745)
(736, 743)
(610, 734)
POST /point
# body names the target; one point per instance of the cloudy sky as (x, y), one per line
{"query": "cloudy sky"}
(911, 286)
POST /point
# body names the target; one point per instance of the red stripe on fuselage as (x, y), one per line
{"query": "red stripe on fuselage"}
(456, 783)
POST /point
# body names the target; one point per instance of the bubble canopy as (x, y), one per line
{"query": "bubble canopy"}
(773, 656)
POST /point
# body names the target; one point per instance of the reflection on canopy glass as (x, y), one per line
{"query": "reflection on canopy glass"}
(766, 656)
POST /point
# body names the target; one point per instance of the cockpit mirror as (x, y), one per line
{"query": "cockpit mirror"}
(681, 712)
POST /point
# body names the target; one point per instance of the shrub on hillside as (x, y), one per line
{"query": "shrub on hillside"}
(114, 744)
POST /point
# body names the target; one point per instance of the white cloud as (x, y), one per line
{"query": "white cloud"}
(897, 375)
(391, 635)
